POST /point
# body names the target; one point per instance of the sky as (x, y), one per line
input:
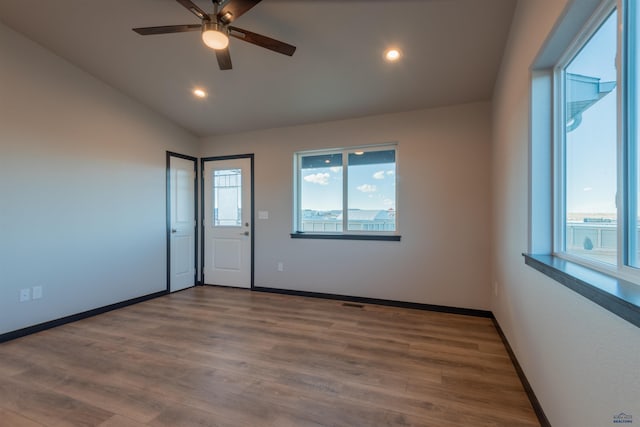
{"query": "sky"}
(370, 187)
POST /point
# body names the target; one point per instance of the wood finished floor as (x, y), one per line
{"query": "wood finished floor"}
(227, 357)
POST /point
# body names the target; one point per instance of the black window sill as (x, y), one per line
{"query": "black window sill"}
(381, 237)
(618, 296)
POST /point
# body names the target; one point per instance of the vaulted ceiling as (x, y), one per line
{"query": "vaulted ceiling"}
(451, 53)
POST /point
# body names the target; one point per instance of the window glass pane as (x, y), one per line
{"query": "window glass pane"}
(633, 100)
(372, 191)
(591, 148)
(321, 193)
(227, 192)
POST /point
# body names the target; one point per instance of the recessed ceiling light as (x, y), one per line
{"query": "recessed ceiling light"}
(200, 93)
(392, 55)
(359, 153)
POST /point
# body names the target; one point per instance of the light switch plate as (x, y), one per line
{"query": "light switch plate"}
(36, 292)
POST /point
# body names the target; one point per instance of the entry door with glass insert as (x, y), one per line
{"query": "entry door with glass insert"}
(227, 222)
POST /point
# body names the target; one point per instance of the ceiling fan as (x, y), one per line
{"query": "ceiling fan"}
(216, 29)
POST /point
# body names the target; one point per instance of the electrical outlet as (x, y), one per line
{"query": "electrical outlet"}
(36, 292)
(280, 266)
(25, 294)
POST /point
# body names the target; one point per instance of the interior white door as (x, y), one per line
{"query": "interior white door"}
(182, 224)
(227, 222)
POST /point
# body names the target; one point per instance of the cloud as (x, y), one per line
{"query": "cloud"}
(335, 169)
(367, 188)
(318, 178)
(378, 175)
(389, 202)
(391, 173)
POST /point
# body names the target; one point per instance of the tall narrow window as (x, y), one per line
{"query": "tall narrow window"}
(346, 191)
(584, 146)
(591, 147)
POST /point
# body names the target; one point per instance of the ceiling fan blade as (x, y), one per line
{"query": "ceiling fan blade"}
(193, 8)
(262, 41)
(167, 29)
(224, 59)
(237, 8)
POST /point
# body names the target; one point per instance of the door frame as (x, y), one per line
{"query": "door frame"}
(171, 154)
(203, 160)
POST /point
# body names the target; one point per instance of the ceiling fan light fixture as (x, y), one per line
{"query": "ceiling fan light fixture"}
(215, 36)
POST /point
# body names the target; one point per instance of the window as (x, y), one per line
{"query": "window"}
(597, 184)
(227, 196)
(596, 221)
(584, 186)
(346, 192)
(587, 179)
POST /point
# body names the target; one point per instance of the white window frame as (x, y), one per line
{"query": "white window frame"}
(297, 191)
(628, 127)
(625, 198)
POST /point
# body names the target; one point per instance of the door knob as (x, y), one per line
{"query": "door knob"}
(246, 233)
(173, 230)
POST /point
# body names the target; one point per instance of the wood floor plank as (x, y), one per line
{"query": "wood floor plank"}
(10, 362)
(211, 356)
(10, 418)
(47, 406)
(96, 390)
(120, 421)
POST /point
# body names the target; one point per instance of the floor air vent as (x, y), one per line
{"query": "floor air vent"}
(350, 304)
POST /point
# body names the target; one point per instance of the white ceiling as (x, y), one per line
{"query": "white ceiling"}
(451, 54)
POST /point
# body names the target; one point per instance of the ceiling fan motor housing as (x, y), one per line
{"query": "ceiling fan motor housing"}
(214, 26)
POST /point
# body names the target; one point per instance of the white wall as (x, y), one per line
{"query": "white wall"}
(444, 175)
(582, 361)
(82, 188)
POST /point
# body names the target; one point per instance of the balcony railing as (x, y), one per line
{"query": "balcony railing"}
(593, 240)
